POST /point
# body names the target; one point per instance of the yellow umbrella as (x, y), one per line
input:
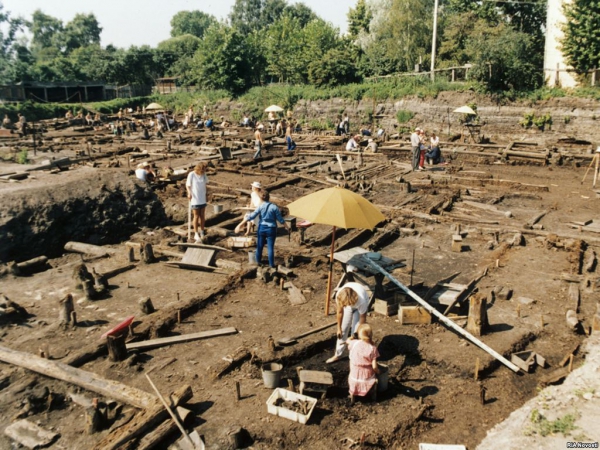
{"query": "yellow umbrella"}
(340, 208)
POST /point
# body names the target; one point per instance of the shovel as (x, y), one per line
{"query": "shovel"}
(190, 441)
(294, 339)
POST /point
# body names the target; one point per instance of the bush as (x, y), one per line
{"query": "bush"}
(22, 157)
(404, 116)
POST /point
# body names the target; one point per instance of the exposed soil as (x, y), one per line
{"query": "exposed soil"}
(432, 396)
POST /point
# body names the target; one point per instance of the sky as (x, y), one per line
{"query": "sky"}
(147, 22)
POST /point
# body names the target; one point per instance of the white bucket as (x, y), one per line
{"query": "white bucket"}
(252, 257)
(217, 209)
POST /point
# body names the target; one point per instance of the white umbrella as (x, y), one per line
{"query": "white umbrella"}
(154, 106)
(274, 108)
(463, 109)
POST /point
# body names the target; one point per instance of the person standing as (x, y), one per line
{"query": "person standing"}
(363, 364)
(291, 145)
(255, 202)
(415, 143)
(196, 190)
(352, 304)
(433, 156)
(258, 141)
(267, 227)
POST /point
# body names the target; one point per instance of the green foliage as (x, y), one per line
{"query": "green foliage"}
(321, 124)
(82, 31)
(581, 42)
(333, 69)
(191, 22)
(22, 157)
(544, 427)
(541, 122)
(222, 60)
(404, 116)
(359, 19)
(248, 16)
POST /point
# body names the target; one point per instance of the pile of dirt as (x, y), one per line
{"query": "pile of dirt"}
(102, 207)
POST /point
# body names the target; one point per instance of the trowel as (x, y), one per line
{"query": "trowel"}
(294, 339)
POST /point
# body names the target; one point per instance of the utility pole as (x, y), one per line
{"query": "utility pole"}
(435, 12)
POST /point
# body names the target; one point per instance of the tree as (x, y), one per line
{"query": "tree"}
(301, 12)
(7, 39)
(191, 22)
(44, 29)
(174, 56)
(222, 60)
(359, 19)
(399, 35)
(253, 15)
(335, 67)
(581, 42)
(82, 31)
(501, 58)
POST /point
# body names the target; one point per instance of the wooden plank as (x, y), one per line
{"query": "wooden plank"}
(214, 247)
(161, 342)
(316, 376)
(198, 256)
(296, 296)
(181, 265)
(87, 380)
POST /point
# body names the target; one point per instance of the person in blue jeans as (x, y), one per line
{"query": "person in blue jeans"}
(267, 227)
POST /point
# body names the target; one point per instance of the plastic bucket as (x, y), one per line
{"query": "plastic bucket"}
(217, 209)
(271, 373)
(382, 378)
(252, 257)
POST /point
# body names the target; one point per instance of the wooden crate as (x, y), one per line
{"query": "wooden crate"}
(413, 315)
(241, 241)
(387, 307)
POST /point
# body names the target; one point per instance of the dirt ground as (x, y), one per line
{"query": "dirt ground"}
(433, 394)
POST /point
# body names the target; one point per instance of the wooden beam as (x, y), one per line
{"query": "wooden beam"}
(87, 380)
(161, 342)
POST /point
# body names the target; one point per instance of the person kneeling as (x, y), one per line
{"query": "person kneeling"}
(362, 380)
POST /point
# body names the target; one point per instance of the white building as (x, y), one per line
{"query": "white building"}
(555, 66)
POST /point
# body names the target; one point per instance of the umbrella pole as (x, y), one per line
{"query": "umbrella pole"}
(330, 275)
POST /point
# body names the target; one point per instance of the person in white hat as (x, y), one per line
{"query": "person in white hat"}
(144, 172)
(255, 202)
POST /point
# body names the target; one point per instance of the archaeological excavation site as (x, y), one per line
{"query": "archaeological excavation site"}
(120, 330)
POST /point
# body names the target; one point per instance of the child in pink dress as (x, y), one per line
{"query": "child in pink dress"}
(363, 364)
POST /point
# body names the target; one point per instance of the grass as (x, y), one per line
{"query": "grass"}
(22, 157)
(544, 427)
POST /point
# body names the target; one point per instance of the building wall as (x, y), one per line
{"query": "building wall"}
(553, 57)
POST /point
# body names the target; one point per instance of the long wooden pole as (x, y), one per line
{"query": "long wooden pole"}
(330, 275)
(171, 413)
(443, 318)
(597, 158)
(87, 380)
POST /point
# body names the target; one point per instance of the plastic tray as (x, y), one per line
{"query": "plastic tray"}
(286, 413)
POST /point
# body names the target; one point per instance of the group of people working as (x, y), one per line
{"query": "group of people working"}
(421, 152)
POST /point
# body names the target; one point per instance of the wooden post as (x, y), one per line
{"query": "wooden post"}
(146, 305)
(65, 308)
(482, 391)
(94, 421)
(88, 290)
(571, 363)
(147, 253)
(117, 351)
(131, 254)
(596, 320)
(238, 395)
(477, 323)
(476, 376)
(74, 318)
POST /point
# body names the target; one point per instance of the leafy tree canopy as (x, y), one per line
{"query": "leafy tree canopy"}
(581, 43)
(191, 22)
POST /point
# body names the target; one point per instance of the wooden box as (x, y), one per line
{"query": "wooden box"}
(387, 307)
(241, 241)
(413, 315)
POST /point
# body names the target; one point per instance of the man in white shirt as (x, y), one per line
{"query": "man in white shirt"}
(145, 173)
(415, 143)
(352, 144)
